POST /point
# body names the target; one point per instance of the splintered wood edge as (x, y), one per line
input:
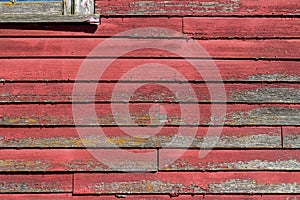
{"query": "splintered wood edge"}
(40, 18)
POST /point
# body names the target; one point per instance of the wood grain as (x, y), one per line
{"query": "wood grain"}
(291, 137)
(82, 47)
(36, 183)
(55, 69)
(167, 114)
(144, 197)
(149, 92)
(196, 8)
(67, 160)
(225, 160)
(194, 27)
(151, 137)
(220, 27)
(177, 183)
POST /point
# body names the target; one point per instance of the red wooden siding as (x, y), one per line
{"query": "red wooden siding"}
(255, 46)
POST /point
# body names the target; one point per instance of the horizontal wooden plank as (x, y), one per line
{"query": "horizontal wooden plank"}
(221, 27)
(46, 8)
(74, 47)
(36, 196)
(291, 137)
(177, 183)
(194, 7)
(181, 160)
(204, 27)
(145, 197)
(146, 92)
(139, 115)
(64, 160)
(230, 70)
(48, 18)
(150, 137)
(108, 27)
(36, 183)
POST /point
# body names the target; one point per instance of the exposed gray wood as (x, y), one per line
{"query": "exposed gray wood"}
(246, 137)
(30, 18)
(80, 7)
(45, 8)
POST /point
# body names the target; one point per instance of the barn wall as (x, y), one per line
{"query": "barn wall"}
(255, 46)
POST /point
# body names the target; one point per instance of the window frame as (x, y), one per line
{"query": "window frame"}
(49, 11)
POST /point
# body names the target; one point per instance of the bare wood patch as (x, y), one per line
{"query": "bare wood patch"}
(177, 183)
(35, 183)
(180, 160)
(231, 137)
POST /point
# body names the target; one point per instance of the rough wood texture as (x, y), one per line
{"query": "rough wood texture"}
(195, 27)
(68, 160)
(46, 8)
(196, 8)
(163, 140)
(230, 70)
(291, 137)
(146, 197)
(74, 47)
(176, 183)
(228, 160)
(36, 183)
(41, 18)
(149, 92)
(230, 137)
(59, 114)
(220, 27)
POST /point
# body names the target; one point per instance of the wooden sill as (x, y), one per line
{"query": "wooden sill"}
(34, 18)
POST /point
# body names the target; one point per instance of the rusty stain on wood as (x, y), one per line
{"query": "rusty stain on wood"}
(254, 46)
(59, 114)
(245, 137)
(144, 187)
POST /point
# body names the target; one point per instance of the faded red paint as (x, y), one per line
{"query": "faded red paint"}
(258, 146)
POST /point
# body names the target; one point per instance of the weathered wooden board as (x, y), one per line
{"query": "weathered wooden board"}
(67, 160)
(182, 160)
(48, 18)
(291, 137)
(198, 8)
(108, 27)
(47, 8)
(82, 47)
(149, 92)
(37, 196)
(230, 137)
(177, 183)
(204, 27)
(220, 27)
(145, 197)
(161, 114)
(53, 183)
(230, 70)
